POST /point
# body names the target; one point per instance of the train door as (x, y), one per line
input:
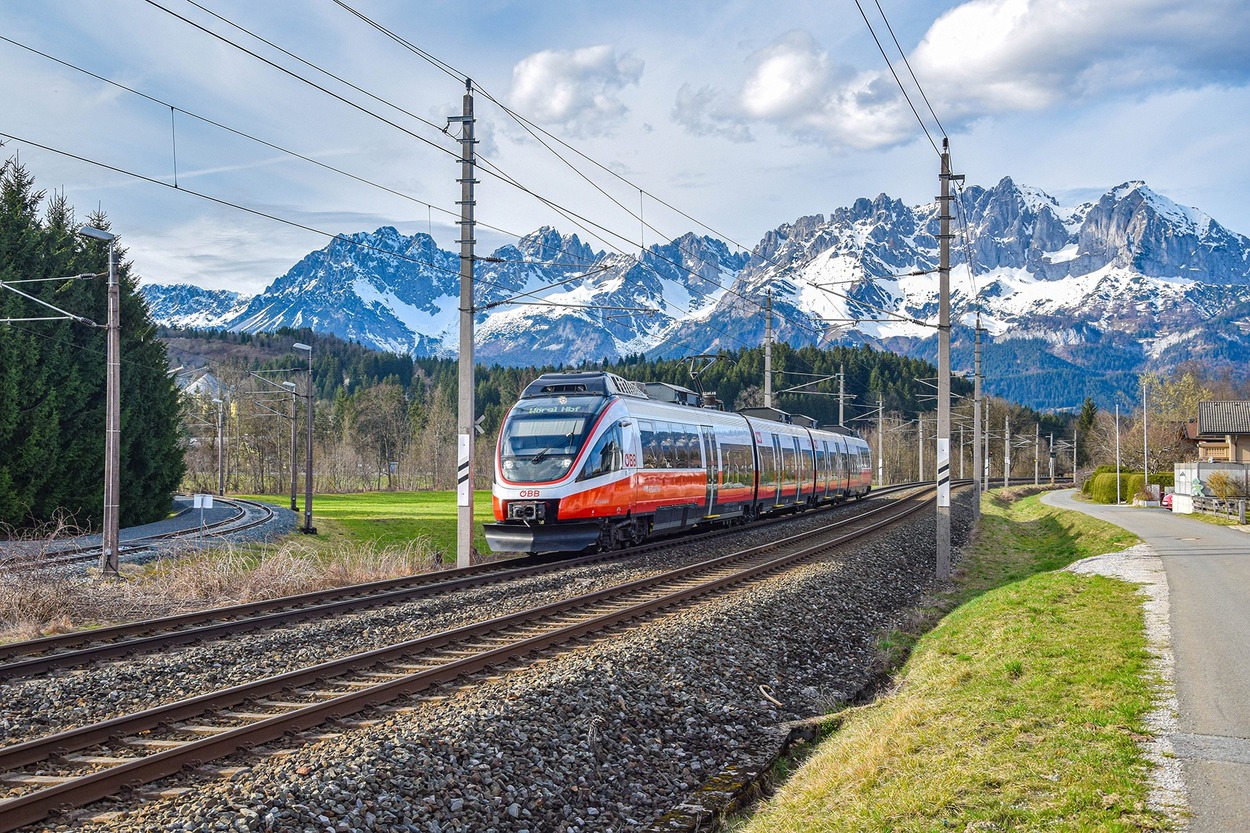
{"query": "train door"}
(711, 464)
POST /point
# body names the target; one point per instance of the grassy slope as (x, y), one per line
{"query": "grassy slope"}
(1020, 711)
(389, 518)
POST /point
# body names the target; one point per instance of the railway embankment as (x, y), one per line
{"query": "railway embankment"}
(1034, 703)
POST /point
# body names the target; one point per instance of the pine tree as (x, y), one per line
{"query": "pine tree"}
(52, 374)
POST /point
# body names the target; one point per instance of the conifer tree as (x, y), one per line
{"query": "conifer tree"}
(52, 374)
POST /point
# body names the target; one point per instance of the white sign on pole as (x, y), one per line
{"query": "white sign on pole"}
(944, 471)
(202, 502)
(464, 446)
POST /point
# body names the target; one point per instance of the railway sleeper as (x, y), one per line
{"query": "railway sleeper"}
(28, 780)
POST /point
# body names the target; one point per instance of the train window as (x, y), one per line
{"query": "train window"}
(650, 447)
(607, 456)
(768, 465)
(666, 455)
(736, 460)
(694, 457)
(788, 466)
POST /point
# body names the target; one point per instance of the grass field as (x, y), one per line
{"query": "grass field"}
(390, 518)
(1021, 710)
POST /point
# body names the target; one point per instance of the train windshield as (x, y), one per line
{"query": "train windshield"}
(541, 438)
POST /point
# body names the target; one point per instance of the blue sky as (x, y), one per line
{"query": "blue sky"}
(743, 115)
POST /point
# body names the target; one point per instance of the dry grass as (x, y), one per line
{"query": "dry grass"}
(36, 602)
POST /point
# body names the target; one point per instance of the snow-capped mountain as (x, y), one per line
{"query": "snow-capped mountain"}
(1075, 300)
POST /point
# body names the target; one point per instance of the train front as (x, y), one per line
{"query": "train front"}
(540, 448)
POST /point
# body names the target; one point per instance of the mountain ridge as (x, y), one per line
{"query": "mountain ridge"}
(1131, 280)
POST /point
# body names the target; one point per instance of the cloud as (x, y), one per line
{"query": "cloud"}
(981, 59)
(577, 91)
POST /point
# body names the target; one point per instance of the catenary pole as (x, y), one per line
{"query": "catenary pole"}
(943, 467)
(920, 445)
(110, 538)
(768, 349)
(841, 395)
(880, 441)
(1037, 446)
(1006, 450)
(1117, 453)
(465, 415)
(977, 458)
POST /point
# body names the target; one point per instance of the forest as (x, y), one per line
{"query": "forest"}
(53, 369)
(388, 421)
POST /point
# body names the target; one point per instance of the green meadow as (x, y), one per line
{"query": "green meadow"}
(391, 518)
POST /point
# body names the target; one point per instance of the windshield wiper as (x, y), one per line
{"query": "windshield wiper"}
(537, 458)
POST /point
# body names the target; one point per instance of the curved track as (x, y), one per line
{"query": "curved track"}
(20, 659)
(239, 521)
(82, 765)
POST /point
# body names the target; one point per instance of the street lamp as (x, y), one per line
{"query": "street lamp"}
(221, 447)
(294, 441)
(309, 529)
(109, 539)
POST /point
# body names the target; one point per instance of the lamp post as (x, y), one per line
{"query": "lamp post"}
(294, 441)
(221, 447)
(109, 540)
(308, 529)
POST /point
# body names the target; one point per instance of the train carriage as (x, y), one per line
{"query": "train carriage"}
(591, 459)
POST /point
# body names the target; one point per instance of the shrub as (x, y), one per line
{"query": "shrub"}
(1102, 486)
(1222, 486)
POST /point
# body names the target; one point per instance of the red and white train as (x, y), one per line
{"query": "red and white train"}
(591, 459)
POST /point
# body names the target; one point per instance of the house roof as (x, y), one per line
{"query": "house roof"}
(1224, 418)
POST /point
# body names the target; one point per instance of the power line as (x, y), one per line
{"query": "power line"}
(909, 69)
(313, 84)
(890, 66)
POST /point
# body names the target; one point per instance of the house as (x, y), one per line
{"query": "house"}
(1222, 436)
(1222, 432)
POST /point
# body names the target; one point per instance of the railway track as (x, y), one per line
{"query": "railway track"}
(77, 554)
(21, 659)
(76, 767)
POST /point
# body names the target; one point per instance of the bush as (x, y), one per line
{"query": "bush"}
(1101, 487)
(1222, 486)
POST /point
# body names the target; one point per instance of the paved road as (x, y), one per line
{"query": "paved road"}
(1208, 572)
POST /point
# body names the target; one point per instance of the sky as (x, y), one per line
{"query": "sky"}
(728, 118)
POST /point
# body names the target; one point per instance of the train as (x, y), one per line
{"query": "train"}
(592, 460)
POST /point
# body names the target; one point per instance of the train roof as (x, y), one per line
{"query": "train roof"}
(601, 383)
(589, 384)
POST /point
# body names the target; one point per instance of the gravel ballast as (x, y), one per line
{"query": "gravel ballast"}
(606, 736)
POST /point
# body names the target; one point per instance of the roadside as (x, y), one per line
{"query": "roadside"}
(1008, 715)
(1208, 576)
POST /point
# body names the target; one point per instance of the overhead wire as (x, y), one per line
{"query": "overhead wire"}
(246, 209)
(313, 84)
(890, 65)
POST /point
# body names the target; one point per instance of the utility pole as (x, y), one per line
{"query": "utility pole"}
(986, 474)
(1006, 451)
(1036, 450)
(1116, 454)
(110, 537)
(1050, 455)
(768, 349)
(880, 441)
(977, 462)
(963, 450)
(465, 423)
(1145, 441)
(841, 395)
(944, 370)
(920, 443)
